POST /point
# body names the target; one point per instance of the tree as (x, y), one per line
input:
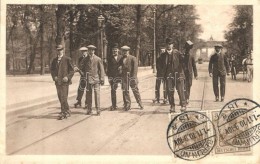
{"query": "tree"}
(240, 34)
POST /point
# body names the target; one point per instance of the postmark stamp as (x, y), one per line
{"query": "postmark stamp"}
(239, 123)
(191, 135)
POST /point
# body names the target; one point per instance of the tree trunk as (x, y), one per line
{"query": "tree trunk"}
(138, 30)
(60, 15)
(41, 35)
(71, 33)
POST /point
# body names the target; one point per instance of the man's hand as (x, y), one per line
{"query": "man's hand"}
(196, 77)
(55, 78)
(210, 74)
(101, 82)
(65, 79)
(76, 69)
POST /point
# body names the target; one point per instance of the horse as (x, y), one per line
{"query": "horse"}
(247, 67)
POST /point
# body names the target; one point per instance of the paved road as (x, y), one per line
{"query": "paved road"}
(135, 132)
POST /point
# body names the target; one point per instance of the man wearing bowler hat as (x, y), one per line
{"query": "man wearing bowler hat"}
(189, 67)
(82, 82)
(173, 75)
(62, 72)
(94, 72)
(218, 68)
(114, 73)
(129, 78)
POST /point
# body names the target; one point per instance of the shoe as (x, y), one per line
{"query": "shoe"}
(156, 100)
(141, 106)
(172, 109)
(222, 99)
(183, 109)
(68, 113)
(98, 112)
(217, 99)
(165, 101)
(112, 108)
(89, 112)
(77, 104)
(62, 116)
(187, 101)
(127, 108)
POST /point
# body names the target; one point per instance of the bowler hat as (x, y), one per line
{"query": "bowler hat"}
(115, 45)
(83, 49)
(59, 47)
(218, 45)
(169, 41)
(125, 48)
(92, 47)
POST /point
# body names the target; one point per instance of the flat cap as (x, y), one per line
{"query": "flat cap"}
(125, 48)
(59, 47)
(83, 49)
(189, 43)
(91, 47)
(169, 41)
(218, 45)
(115, 45)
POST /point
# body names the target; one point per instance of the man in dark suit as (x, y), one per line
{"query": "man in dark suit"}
(218, 68)
(160, 79)
(114, 74)
(62, 73)
(93, 69)
(173, 75)
(129, 78)
(189, 67)
(82, 82)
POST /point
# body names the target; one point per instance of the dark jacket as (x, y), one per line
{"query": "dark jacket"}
(159, 65)
(218, 64)
(130, 65)
(113, 67)
(61, 70)
(171, 64)
(95, 69)
(189, 65)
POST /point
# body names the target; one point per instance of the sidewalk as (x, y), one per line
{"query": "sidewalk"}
(28, 92)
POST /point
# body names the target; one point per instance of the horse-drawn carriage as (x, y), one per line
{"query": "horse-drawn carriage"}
(240, 64)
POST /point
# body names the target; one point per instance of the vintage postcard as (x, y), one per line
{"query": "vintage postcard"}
(130, 81)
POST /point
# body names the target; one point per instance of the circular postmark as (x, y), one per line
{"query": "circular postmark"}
(191, 135)
(239, 123)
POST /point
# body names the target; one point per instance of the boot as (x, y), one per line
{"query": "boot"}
(77, 104)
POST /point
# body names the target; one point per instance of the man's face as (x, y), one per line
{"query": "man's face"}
(124, 52)
(218, 49)
(60, 52)
(84, 53)
(169, 46)
(91, 51)
(115, 51)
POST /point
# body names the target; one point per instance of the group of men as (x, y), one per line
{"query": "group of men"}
(174, 69)
(121, 69)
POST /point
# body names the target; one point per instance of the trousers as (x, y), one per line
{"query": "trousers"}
(62, 91)
(81, 89)
(157, 88)
(89, 91)
(217, 77)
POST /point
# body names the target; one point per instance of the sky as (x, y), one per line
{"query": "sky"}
(214, 20)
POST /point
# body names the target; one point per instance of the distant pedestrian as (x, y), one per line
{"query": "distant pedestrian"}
(114, 73)
(93, 69)
(129, 78)
(249, 67)
(160, 78)
(219, 68)
(189, 67)
(82, 82)
(62, 73)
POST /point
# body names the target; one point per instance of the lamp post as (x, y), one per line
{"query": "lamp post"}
(154, 41)
(100, 25)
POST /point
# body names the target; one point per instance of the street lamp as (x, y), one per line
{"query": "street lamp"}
(100, 25)
(154, 41)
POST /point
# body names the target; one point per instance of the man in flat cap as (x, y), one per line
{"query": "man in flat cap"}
(129, 78)
(114, 74)
(218, 68)
(62, 72)
(82, 82)
(160, 78)
(93, 69)
(189, 67)
(173, 72)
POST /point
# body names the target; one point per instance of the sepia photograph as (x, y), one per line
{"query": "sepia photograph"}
(171, 80)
